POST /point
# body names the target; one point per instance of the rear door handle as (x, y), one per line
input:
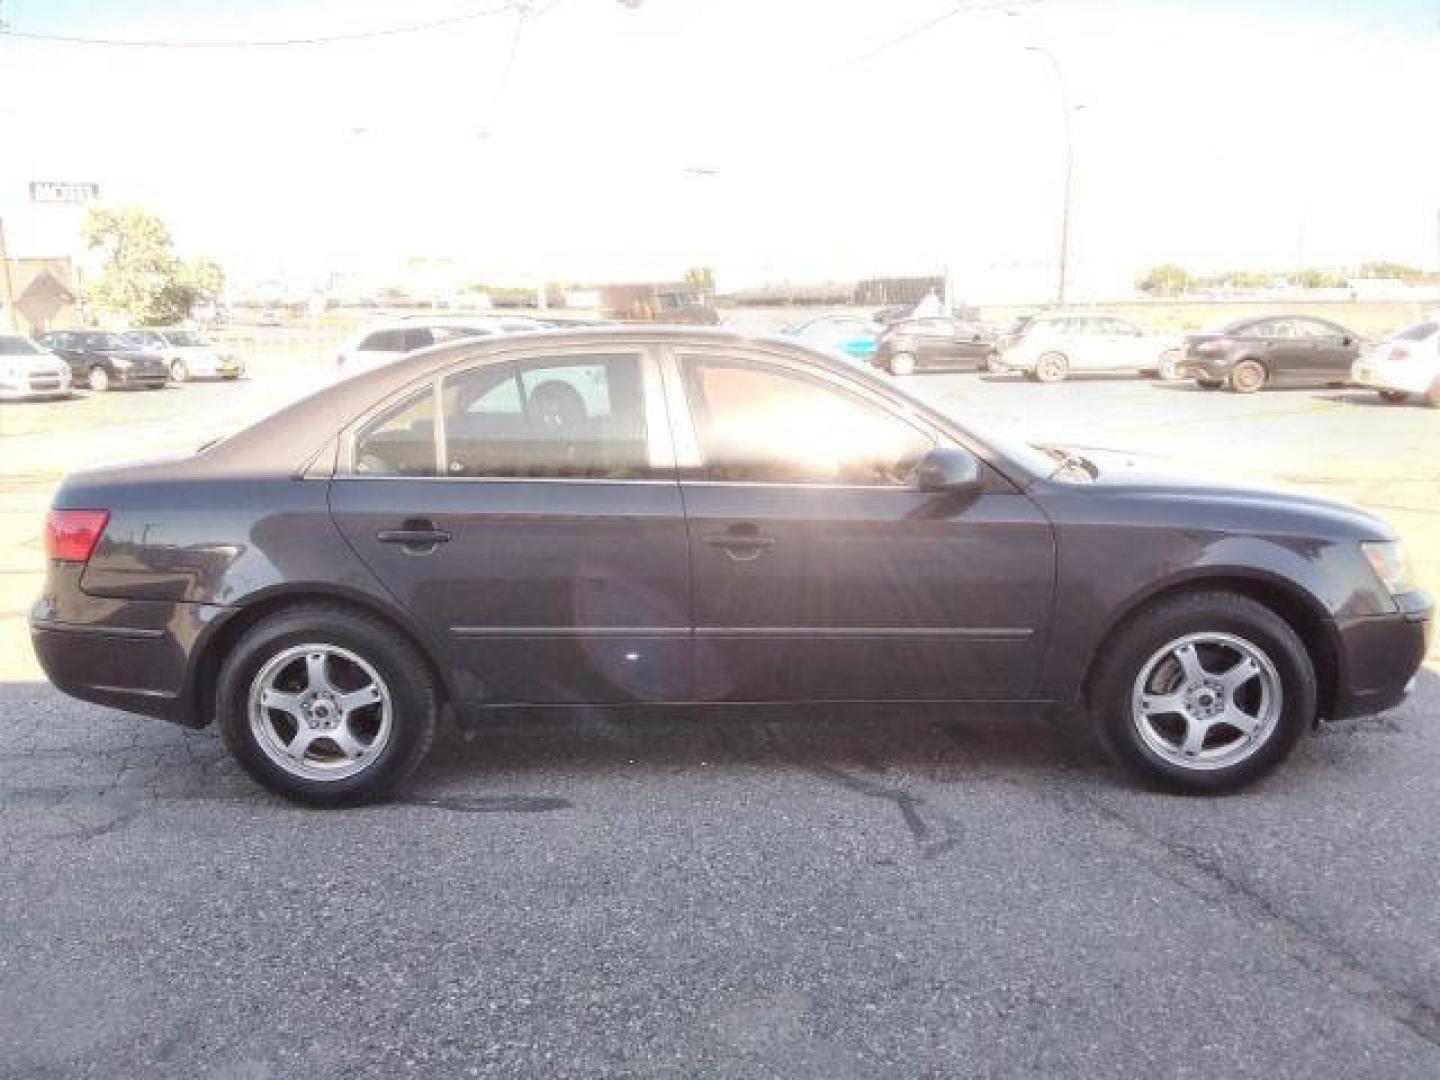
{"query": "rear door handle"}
(416, 536)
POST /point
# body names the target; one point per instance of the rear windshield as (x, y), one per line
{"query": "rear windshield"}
(12, 345)
(1418, 332)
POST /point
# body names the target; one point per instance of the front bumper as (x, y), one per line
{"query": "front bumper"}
(35, 385)
(1381, 655)
(1199, 366)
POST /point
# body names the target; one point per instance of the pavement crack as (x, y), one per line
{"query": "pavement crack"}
(1206, 878)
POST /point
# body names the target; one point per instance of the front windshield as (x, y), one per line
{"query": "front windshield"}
(14, 345)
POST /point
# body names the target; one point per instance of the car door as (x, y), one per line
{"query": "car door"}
(820, 571)
(1332, 349)
(526, 512)
(1285, 350)
(1091, 347)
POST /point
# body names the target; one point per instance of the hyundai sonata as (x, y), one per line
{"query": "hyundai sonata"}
(605, 517)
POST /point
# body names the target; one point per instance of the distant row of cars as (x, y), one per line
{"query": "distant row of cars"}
(1243, 356)
(56, 362)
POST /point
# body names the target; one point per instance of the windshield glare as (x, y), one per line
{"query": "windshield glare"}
(13, 345)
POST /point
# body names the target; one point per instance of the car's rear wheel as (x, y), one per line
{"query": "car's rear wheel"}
(1394, 396)
(179, 371)
(902, 363)
(1432, 395)
(1052, 367)
(98, 379)
(1205, 692)
(1169, 369)
(1209, 384)
(326, 706)
(1248, 376)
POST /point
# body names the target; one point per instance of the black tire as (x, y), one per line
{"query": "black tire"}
(1209, 384)
(1128, 652)
(406, 674)
(1394, 397)
(1248, 376)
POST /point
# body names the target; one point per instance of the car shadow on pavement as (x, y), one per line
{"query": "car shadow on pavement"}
(1369, 399)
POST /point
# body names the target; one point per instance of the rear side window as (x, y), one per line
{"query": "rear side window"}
(573, 417)
(1418, 332)
(401, 441)
(400, 340)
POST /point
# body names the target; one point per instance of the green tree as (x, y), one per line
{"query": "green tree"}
(702, 277)
(141, 277)
(1382, 268)
(1314, 278)
(1167, 279)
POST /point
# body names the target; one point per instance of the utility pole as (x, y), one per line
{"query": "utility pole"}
(1068, 111)
(8, 283)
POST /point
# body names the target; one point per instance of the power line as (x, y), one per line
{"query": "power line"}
(327, 39)
(960, 8)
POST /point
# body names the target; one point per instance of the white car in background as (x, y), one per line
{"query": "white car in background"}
(1048, 347)
(28, 371)
(1404, 364)
(382, 343)
(190, 354)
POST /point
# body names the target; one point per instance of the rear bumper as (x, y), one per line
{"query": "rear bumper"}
(1382, 375)
(133, 655)
(1381, 656)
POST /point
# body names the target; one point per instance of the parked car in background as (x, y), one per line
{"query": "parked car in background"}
(802, 530)
(845, 335)
(1405, 364)
(271, 317)
(28, 371)
(892, 314)
(105, 360)
(935, 344)
(1050, 346)
(190, 354)
(1282, 350)
(383, 343)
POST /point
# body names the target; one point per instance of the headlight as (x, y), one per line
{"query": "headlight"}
(1391, 565)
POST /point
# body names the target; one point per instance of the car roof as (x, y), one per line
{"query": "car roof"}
(288, 440)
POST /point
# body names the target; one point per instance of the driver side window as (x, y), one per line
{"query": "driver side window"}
(762, 424)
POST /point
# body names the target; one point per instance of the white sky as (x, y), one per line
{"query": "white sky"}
(1214, 134)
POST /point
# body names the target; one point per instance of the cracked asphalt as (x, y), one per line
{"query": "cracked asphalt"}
(866, 893)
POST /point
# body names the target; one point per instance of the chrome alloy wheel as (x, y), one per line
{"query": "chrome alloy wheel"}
(1206, 701)
(320, 712)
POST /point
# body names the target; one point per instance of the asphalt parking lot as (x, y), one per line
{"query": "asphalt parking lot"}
(867, 893)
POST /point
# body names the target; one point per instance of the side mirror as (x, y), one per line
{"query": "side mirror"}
(951, 471)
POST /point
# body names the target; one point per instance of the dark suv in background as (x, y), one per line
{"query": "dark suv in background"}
(103, 360)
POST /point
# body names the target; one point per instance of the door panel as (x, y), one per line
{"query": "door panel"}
(548, 591)
(867, 594)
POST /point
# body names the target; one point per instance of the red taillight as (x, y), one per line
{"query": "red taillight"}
(1399, 352)
(71, 535)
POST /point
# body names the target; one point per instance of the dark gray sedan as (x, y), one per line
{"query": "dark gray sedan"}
(603, 517)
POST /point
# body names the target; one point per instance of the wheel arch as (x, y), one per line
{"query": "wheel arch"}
(1300, 609)
(214, 647)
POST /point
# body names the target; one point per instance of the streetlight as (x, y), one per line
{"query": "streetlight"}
(1069, 166)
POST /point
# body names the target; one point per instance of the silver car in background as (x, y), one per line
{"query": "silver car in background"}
(190, 354)
(28, 371)
(1404, 365)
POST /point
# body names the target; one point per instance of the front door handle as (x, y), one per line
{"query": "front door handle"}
(417, 536)
(742, 547)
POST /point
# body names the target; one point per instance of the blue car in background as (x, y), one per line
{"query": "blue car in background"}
(851, 336)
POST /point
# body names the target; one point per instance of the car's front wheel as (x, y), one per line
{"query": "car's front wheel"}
(1052, 367)
(902, 363)
(1169, 369)
(179, 371)
(98, 379)
(1206, 692)
(326, 706)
